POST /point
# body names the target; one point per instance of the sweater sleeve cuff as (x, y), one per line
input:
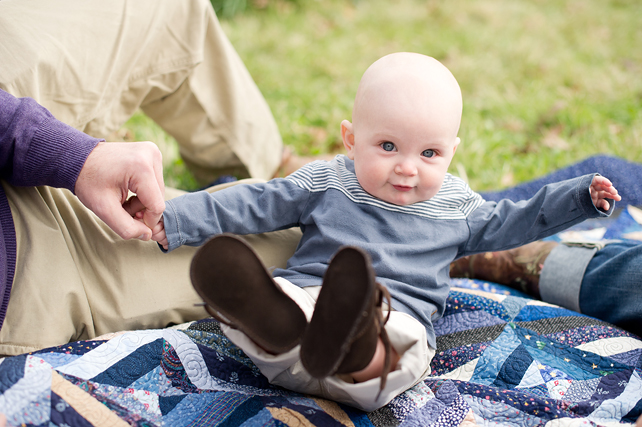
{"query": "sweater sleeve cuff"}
(57, 154)
(172, 227)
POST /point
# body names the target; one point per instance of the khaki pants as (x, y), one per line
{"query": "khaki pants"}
(75, 279)
(93, 63)
(407, 336)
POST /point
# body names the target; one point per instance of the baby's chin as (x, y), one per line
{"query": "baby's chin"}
(399, 198)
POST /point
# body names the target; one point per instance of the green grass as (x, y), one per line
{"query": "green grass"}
(546, 83)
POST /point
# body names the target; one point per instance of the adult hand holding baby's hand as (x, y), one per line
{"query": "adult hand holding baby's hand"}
(602, 189)
(110, 172)
(158, 231)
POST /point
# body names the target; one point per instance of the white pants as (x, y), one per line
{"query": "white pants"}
(407, 336)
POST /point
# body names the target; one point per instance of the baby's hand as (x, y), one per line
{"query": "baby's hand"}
(158, 234)
(602, 189)
(158, 231)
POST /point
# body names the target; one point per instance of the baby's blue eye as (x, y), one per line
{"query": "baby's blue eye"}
(388, 146)
(428, 153)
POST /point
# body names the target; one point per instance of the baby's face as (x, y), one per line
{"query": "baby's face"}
(406, 118)
(402, 158)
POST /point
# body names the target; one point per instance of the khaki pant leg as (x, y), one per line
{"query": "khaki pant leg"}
(217, 107)
(48, 305)
(93, 63)
(76, 279)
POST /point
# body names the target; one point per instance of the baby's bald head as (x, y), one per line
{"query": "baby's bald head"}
(410, 80)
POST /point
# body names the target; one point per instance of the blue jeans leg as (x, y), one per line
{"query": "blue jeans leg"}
(612, 286)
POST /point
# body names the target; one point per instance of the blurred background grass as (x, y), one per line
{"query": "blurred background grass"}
(546, 83)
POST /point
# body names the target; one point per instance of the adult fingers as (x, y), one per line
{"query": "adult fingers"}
(119, 220)
(133, 205)
(147, 182)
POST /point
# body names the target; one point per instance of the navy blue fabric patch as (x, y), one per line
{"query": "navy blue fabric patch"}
(77, 347)
(11, 371)
(454, 357)
(132, 367)
(62, 414)
(228, 369)
(542, 408)
(611, 385)
(460, 301)
(513, 369)
(243, 412)
(167, 403)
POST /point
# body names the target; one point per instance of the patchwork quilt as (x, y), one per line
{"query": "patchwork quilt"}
(502, 359)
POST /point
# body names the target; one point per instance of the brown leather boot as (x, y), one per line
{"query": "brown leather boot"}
(240, 292)
(348, 320)
(518, 268)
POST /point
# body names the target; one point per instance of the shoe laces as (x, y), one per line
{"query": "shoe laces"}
(387, 361)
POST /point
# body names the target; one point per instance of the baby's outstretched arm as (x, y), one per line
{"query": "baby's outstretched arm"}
(602, 189)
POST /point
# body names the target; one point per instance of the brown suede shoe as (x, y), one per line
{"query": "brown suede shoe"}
(518, 268)
(348, 320)
(241, 293)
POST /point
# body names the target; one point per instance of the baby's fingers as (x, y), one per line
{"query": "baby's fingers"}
(603, 204)
(158, 228)
(599, 180)
(602, 188)
(608, 193)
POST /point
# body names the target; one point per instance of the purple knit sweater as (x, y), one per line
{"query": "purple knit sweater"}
(35, 149)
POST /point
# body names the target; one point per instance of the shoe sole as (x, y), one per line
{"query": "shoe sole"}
(341, 309)
(231, 279)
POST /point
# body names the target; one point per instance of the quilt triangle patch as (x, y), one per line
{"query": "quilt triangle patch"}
(532, 377)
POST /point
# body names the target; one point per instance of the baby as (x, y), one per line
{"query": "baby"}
(386, 217)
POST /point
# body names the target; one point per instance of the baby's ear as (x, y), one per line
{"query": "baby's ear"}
(457, 142)
(347, 135)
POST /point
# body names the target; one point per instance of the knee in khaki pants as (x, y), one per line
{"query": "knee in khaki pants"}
(128, 44)
(170, 58)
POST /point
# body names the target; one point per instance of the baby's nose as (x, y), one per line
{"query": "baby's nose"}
(406, 167)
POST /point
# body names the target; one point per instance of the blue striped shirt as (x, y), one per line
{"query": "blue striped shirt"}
(411, 246)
